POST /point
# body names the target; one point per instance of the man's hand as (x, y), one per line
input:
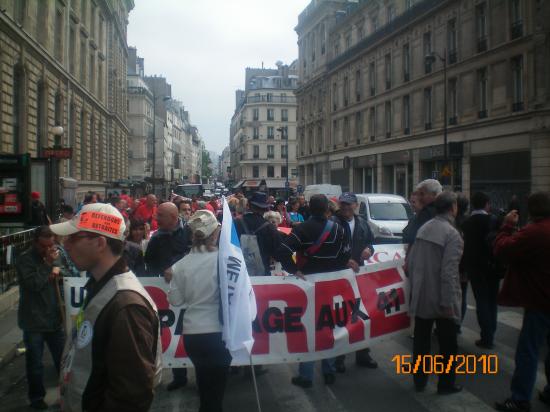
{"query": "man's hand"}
(300, 275)
(51, 255)
(366, 254)
(168, 274)
(353, 265)
(54, 274)
(512, 218)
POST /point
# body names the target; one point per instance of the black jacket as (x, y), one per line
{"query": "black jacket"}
(166, 248)
(409, 233)
(334, 253)
(478, 256)
(38, 305)
(268, 237)
(362, 237)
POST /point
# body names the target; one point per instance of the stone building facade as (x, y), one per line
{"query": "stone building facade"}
(63, 63)
(371, 107)
(258, 150)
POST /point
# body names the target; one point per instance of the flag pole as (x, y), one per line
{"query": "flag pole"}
(255, 384)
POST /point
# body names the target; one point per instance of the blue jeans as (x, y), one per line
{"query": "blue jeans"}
(534, 332)
(305, 370)
(34, 351)
(485, 288)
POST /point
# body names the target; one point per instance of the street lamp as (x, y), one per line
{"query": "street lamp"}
(164, 99)
(429, 59)
(283, 131)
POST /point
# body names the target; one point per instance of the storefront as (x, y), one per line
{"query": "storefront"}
(432, 165)
(397, 171)
(364, 174)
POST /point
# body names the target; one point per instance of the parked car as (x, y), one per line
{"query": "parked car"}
(386, 214)
(323, 189)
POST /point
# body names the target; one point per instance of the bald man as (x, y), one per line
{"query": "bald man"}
(168, 244)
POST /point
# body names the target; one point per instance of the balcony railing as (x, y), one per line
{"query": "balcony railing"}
(272, 99)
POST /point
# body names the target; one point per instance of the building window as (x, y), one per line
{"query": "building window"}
(451, 41)
(517, 83)
(428, 108)
(58, 35)
(256, 114)
(346, 131)
(92, 73)
(40, 117)
(388, 70)
(358, 85)
(346, 91)
(358, 126)
(270, 151)
(406, 115)
(84, 12)
(319, 139)
(372, 124)
(348, 41)
(256, 152)
(18, 108)
(406, 63)
(284, 133)
(83, 61)
(515, 18)
(284, 151)
(270, 97)
(72, 49)
(334, 96)
(453, 103)
(270, 114)
(255, 171)
(42, 12)
(58, 109)
(256, 133)
(390, 14)
(270, 171)
(372, 78)
(481, 27)
(427, 47)
(100, 80)
(388, 117)
(270, 132)
(20, 10)
(482, 90)
(83, 146)
(284, 115)
(92, 22)
(92, 140)
(374, 23)
(72, 139)
(284, 171)
(101, 31)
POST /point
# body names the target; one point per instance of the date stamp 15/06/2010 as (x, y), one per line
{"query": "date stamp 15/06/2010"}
(438, 364)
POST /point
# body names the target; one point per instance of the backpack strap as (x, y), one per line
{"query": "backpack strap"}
(265, 224)
(322, 238)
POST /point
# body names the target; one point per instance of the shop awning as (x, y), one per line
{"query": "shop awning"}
(238, 184)
(275, 183)
(252, 183)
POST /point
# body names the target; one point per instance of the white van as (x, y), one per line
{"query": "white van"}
(324, 189)
(386, 214)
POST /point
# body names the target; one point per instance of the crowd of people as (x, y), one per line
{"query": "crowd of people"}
(112, 358)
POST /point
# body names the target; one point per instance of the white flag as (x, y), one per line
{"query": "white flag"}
(237, 296)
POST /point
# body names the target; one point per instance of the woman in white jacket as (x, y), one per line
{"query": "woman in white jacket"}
(195, 286)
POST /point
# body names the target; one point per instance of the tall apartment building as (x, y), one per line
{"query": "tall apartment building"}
(225, 165)
(371, 106)
(63, 63)
(140, 121)
(263, 130)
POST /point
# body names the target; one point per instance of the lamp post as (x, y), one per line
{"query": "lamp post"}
(430, 58)
(283, 130)
(164, 99)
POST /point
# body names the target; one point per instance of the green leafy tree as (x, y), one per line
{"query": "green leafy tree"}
(206, 162)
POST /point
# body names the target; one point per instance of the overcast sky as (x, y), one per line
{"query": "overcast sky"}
(203, 48)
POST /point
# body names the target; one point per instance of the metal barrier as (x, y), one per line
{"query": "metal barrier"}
(11, 246)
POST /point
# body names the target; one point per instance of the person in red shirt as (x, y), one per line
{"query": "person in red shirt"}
(147, 211)
(129, 200)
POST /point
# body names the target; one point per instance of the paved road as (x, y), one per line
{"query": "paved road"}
(357, 390)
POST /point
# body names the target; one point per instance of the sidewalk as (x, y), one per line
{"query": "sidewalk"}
(11, 337)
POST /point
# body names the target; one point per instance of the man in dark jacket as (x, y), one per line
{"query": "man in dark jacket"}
(39, 314)
(426, 192)
(527, 284)
(360, 240)
(477, 259)
(253, 222)
(321, 246)
(39, 216)
(170, 243)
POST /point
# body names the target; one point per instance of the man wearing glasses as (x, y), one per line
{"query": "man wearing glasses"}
(113, 358)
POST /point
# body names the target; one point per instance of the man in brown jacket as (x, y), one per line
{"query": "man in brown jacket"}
(113, 360)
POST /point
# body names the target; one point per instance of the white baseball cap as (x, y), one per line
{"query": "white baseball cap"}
(100, 218)
(203, 222)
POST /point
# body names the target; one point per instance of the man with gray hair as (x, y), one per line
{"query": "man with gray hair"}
(426, 192)
(435, 289)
